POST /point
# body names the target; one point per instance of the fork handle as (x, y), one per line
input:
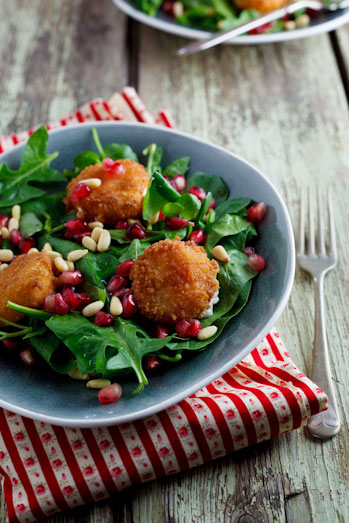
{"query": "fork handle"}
(327, 423)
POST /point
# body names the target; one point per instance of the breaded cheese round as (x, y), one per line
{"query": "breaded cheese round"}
(117, 197)
(262, 6)
(27, 281)
(173, 280)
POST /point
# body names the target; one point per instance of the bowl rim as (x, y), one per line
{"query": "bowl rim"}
(168, 402)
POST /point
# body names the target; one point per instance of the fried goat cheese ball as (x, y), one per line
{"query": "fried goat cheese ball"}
(27, 281)
(119, 196)
(262, 6)
(174, 280)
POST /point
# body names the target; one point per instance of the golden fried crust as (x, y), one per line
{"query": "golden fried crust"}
(263, 6)
(26, 281)
(117, 197)
(173, 280)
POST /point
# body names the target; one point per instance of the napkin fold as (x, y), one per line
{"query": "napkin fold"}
(46, 468)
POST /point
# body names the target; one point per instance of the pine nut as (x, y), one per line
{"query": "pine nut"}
(302, 21)
(6, 255)
(76, 375)
(154, 219)
(5, 233)
(74, 256)
(92, 225)
(70, 264)
(207, 332)
(3, 266)
(92, 308)
(60, 264)
(89, 243)
(115, 306)
(132, 220)
(13, 224)
(53, 254)
(47, 247)
(16, 212)
(93, 183)
(96, 233)
(289, 25)
(220, 254)
(33, 249)
(178, 9)
(104, 241)
(98, 384)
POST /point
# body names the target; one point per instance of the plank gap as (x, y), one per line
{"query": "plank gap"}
(132, 49)
(343, 70)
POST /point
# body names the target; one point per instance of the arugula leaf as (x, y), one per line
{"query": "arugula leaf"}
(16, 186)
(30, 224)
(211, 183)
(179, 166)
(134, 250)
(227, 225)
(232, 206)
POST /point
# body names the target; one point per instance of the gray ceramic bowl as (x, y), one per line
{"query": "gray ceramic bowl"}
(59, 400)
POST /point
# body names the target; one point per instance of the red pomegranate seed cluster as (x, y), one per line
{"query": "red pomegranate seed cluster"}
(174, 224)
(81, 190)
(124, 268)
(118, 285)
(135, 232)
(113, 168)
(199, 192)
(4, 219)
(76, 230)
(255, 214)
(178, 182)
(121, 224)
(188, 329)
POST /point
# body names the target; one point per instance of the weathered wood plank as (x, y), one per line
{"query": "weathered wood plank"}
(284, 109)
(343, 40)
(56, 55)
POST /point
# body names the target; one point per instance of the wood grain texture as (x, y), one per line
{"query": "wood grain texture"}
(281, 107)
(343, 41)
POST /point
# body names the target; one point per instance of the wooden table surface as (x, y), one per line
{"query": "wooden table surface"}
(282, 107)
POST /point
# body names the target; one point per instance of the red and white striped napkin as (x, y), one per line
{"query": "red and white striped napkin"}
(45, 468)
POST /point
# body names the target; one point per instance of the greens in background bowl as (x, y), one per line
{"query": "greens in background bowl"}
(22, 390)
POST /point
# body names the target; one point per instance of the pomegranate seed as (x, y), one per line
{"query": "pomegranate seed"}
(135, 232)
(124, 268)
(81, 190)
(10, 344)
(110, 393)
(121, 224)
(178, 182)
(78, 237)
(85, 300)
(198, 236)
(15, 237)
(161, 216)
(50, 303)
(212, 204)
(76, 226)
(103, 319)
(61, 306)
(25, 244)
(261, 29)
(122, 292)
(72, 299)
(129, 306)
(256, 212)
(249, 250)
(257, 262)
(4, 219)
(167, 7)
(116, 283)
(162, 331)
(151, 363)
(27, 356)
(113, 168)
(174, 224)
(188, 329)
(199, 192)
(72, 277)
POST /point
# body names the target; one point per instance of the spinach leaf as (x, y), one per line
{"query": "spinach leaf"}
(149, 7)
(187, 206)
(179, 166)
(16, 186)
(227, 225)
(117, 151)
(211, 183)
(134, 250)
(30, 224)
(83, 160)
(53, 352)
(159, 192)
(232, 206)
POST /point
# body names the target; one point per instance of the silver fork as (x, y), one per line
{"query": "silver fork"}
(317, 263)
